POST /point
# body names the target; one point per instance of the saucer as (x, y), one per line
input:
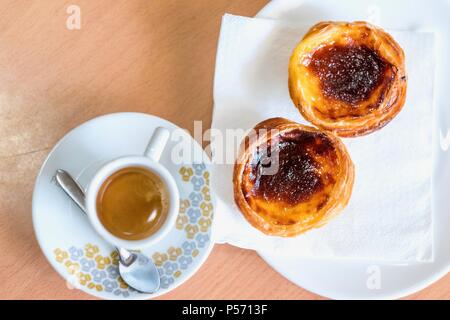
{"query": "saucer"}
(70, 243)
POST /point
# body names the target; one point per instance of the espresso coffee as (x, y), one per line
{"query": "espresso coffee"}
(132, 203)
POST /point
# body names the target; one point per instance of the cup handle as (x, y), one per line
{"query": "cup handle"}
(157, 143)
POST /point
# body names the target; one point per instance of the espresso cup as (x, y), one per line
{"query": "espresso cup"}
(148, 161)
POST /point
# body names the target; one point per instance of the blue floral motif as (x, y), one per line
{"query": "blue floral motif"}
(194, 215)
(170, 267)
(202, 239)
(98, 275)
(113, 272)
(75, 253)
(184, 262)
(119, 292)
(166, 282)
(195, 198)
(130, 289)
(110, 285)
(142, 260)
(86, 265)
(197, 183)
(188, 247)
(199, 168)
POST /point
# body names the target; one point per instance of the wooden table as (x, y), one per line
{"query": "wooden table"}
(152, 56)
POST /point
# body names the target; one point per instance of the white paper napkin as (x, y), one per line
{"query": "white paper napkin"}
(389, 217)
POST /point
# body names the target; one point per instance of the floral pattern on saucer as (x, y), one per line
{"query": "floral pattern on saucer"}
(94, 270)
(89, 268)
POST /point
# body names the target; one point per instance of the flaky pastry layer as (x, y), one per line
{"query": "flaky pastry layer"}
(312, 184)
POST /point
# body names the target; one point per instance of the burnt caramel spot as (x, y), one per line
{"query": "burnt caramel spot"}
(288, 172)
(348, 73)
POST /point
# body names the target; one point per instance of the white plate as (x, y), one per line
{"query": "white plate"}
(72, 246)
(364, 279)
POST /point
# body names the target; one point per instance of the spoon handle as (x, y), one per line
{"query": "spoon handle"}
(71, 187)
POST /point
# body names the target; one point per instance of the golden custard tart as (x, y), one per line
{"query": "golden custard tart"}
(289, 178)
(348, 78)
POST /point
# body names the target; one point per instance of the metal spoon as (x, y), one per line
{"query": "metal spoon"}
(138, 271)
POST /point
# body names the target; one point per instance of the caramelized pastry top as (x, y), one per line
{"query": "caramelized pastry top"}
(348, 78)
(348, 73)
(301, 157)
(292, 180)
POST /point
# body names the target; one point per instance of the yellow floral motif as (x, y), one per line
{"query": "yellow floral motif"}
(191, 230)
(184, 204)
(204, 224)
(159, 258)
(174, 253)
(195, 253)
(122, 283)
(177, 274)
(72, 267)
(182, 220)
(97, 287)
(206, 208)
(61, 255)
(90, 250)
(114, 258)
(102, 262)
(206, 176)
(206, 193)
(84, 278)
(186, 173)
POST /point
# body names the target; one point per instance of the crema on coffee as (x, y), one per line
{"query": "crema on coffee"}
(132, 203)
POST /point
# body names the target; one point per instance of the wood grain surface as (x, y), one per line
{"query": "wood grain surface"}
(152, 56)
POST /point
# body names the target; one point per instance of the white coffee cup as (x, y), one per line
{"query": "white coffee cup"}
(150, 162)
